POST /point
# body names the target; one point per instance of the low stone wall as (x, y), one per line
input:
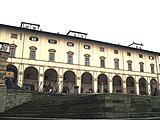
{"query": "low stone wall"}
(79, 106)
(17, 97)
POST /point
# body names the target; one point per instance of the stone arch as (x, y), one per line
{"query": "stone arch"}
(50, 81)
(86, 83)
(154, 88)
(130, 84)
(69, 81)
(102, 83)
(117, 84)
(31, 79)
(12, 72)
(142, 86)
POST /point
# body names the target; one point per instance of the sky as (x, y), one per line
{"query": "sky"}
(113, 21)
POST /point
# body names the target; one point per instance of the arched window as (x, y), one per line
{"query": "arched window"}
(129, 65)
(116, 63)
(12, 50)
(70, 57)
(87, 59)
(52, 55)
(32, 54)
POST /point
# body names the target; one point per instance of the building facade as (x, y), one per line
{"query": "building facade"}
(52, 62)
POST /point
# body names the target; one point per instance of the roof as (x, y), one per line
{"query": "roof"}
(82, 39)
(76, 32)
(29, 24)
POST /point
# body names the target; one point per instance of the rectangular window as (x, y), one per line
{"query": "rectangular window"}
(101, 49)
(141, 68)
(115, 51)
(140, 56)
(51, 57)
(12, 52)
(130, 66)
(102, 63)
(32, 55)
(116, 65)
(87, 61)
(152, 69)
(128, 53)
(70, 59)
(13, 35)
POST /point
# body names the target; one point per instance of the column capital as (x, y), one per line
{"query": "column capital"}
(60, 76)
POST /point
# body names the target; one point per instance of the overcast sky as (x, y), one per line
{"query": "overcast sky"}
(113, 21)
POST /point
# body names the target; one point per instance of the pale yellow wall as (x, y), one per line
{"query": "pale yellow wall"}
(42, 55)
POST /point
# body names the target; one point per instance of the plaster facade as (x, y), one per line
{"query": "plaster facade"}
(43, 61)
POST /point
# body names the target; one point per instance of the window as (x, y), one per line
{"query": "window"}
(152, 68)
(87, 47)
(128, 53)
(140, 56)
(141, 66)
(101, 49)
(52, 55)
(34, 28)
(52, 41)
(32, 55)
(70, 44)
(13, 35)
(32, 38)
(129, 65)
(151, 57)
(116, 63)
(102, 61)
(12, 50)
(70, 57)
(115, 51)
(87, 60)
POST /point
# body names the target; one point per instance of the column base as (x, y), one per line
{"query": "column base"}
(3, 92)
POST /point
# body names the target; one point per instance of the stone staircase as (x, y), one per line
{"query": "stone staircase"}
(87, 106)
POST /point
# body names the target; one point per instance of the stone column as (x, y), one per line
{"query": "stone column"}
(137, 88)
(60, 83)
(110, 83)
(3, 62)
(78, 83)
(40, 83)
(124, 87)
(94, 87)
(110, 86)
(148, 87)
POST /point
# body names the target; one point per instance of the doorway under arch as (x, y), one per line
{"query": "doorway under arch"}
(31, 79)
(12, 72)
(50, 81)
(154, 88)
(69, 82)
(86, 83)
(117, 84)
(142, 86)
(102, 83)
(130, 84)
